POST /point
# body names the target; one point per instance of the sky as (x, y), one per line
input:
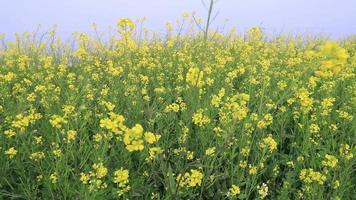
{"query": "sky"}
(332, 18)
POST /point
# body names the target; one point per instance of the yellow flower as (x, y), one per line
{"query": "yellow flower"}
(314, 128)
(57, 121)
(281, 85)
(329, 161)
(269, 142)
(109, 106)
(326, 105)
(245, 151)
(100, 170)
(306, 102)
(57, 153)
(31, 97)
(210, 151)
(174, 107)
(310, 176)
(190, 155)
(336, 184)
(11, 152)
(234, 190)
(199, 118)
(125, 24)
(84, 178)
(239, 112)
(133, 138)
(68, 109)
(38, 139)
(115, 71)
(39, 178)
(243, 164)
(192, 179)
(22, 121)
(151, 137)
(71, 135)
(194, 77)
(216, 99)
(98, 137)
(345, 151)
(252, 170)
(9, 133)
(334, 57)
(114, 123)
(9, 76)
(266, 121)
(121, 176)
(54, 178)
(153, 151)
(344, 115)
(37, 156)
(263, 190)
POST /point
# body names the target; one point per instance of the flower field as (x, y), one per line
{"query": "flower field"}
(177, 117)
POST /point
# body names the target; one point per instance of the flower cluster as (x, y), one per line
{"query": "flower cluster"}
(195, 77)
(190, 179)
(269, 142)
(200, 119)
(94, 178)
(121, 178)
(310, 176)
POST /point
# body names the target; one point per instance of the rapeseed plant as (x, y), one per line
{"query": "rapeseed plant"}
(187, 116)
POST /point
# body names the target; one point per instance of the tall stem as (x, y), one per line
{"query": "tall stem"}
(208, 21)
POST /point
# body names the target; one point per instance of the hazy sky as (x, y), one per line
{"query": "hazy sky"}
(335, 18)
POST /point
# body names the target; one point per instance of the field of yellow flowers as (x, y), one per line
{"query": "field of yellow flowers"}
(177, 117)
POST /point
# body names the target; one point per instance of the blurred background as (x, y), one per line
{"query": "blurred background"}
(331, 18)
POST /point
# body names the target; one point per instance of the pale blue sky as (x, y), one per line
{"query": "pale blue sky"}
(335, 18)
